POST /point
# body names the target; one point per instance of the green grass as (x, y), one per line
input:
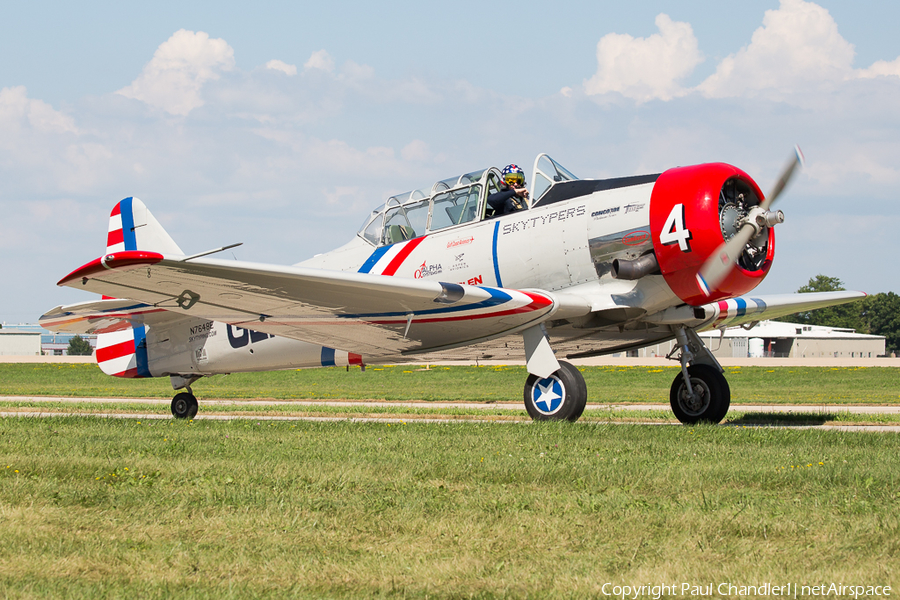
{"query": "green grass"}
(794, 385)
(153, 509)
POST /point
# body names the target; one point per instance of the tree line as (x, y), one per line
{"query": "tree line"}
(877, 314)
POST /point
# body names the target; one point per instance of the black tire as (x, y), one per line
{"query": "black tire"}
(184, 406)
(712, 390)
(567, 395)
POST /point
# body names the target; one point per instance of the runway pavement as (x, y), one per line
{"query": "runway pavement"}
(395, 418)
(513, 406)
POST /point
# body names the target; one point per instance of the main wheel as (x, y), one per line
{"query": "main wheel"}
(561, 396)
(712, 396)
(184, 406)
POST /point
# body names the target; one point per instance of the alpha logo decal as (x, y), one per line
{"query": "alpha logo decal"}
(426, 270)
(548, 395)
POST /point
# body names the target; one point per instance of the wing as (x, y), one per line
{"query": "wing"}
(739, 311)
(368, 314)
(747, 309)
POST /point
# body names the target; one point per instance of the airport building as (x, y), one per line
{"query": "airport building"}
(775, 339)
(34, 340)
(14, 342)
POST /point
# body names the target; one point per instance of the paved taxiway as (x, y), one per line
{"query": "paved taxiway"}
(393, 418)
(513, 406)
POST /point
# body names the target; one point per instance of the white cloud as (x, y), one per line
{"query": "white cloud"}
(278, 65)
(356, 72)
(416, 150)
(646, 68)
(797, 48)
(881, 68)
(174, 78)
(16, 108)
(320, 59)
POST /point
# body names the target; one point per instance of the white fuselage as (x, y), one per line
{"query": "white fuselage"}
(565, 245)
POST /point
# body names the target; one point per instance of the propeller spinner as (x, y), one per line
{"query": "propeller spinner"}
(757, 221)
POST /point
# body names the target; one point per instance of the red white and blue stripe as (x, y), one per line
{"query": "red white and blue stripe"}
(735, 308)
(121, 228)
(124, 353)
(387, 259)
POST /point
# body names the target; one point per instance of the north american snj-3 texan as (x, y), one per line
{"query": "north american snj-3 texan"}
(582, 267)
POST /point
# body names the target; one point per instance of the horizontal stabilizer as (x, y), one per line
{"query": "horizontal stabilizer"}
(105, 316)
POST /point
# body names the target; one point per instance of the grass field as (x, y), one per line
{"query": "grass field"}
(124, 508)
(136, 508)
(795, 385)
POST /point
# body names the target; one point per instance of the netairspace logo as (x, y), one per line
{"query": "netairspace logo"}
(785, 590)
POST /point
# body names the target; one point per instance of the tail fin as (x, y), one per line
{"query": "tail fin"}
(133, 227)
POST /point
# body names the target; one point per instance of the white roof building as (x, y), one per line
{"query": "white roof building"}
(14, 342)
(783, 340)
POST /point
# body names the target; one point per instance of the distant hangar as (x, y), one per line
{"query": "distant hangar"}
(783, 340)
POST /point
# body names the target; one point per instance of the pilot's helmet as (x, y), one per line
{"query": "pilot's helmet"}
(513, 174)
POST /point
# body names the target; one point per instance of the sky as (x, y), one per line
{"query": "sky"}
(282, 125)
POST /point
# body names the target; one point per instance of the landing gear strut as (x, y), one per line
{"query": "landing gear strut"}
(700, 392)
(561, 396)
(184, 404)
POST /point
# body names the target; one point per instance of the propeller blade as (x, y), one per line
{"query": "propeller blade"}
(722, 261)
(785, 178)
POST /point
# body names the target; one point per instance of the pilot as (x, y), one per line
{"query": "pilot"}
(512, 194)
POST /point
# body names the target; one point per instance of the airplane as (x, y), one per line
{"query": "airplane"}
(586, 267)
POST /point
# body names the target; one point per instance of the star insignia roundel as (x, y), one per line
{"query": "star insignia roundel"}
(548, 395)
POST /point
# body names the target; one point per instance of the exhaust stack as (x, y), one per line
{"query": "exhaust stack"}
(635, 269)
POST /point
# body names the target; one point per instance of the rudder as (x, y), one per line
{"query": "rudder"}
(133, 227)
(124, 353)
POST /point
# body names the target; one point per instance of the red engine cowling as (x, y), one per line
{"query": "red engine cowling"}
(692, 209)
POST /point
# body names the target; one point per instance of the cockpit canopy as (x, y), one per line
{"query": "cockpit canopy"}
(450, 202)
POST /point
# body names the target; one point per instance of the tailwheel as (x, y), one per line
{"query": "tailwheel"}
(561, 396)
(184, 406)
(710, 400)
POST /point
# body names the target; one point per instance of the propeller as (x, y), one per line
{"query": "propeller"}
(722, 261)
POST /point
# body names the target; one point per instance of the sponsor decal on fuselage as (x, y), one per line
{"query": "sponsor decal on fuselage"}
(635, 207)
(545, 219)
(460, 242)
(477, 280)
(459, 262)
(606, 212)
(426, 270)
(636, 238)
